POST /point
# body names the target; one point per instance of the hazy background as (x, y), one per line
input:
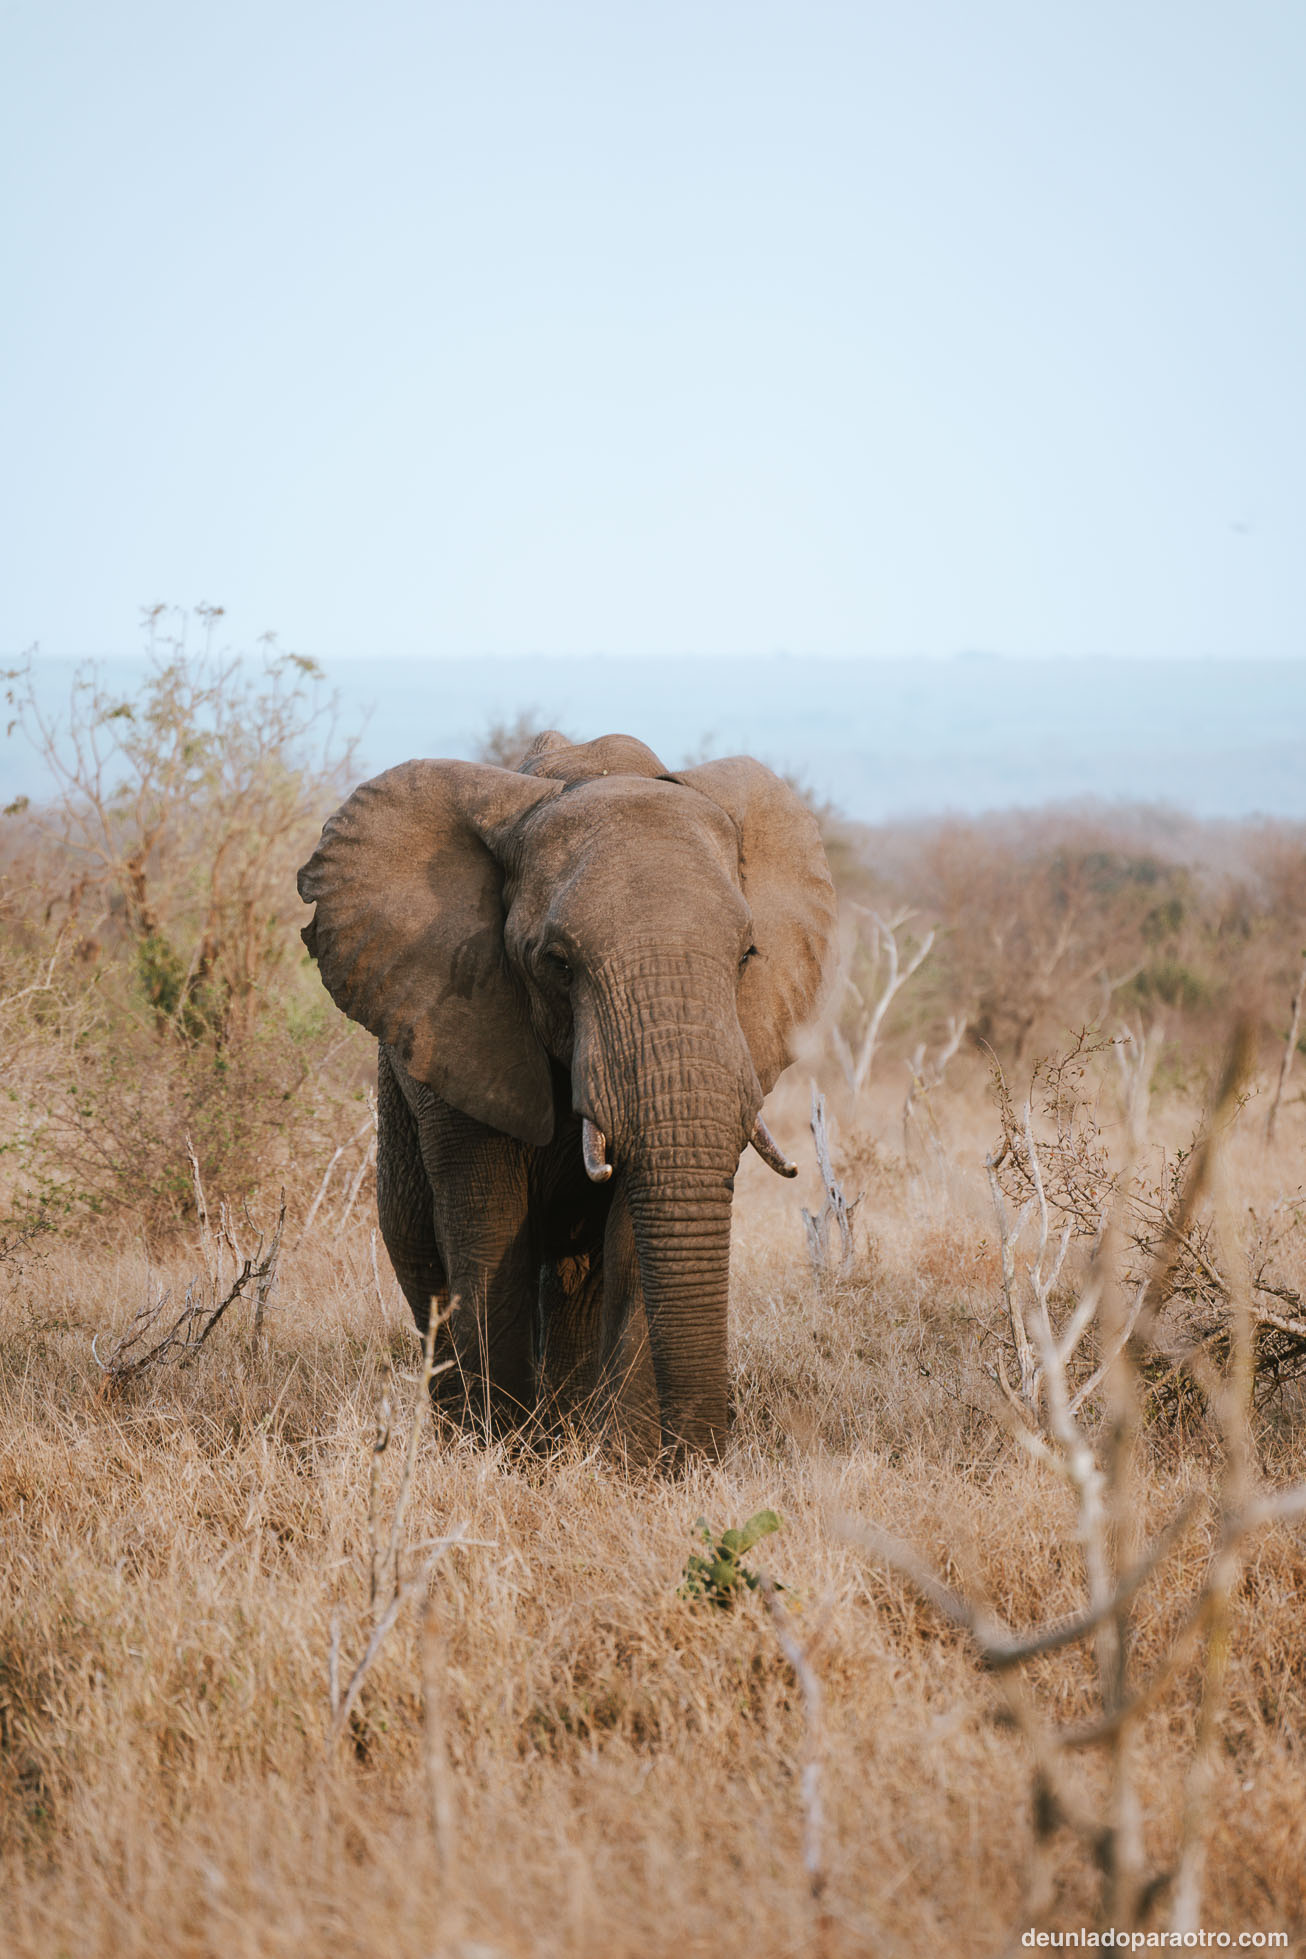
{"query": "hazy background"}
(838, 331)
(881, 739)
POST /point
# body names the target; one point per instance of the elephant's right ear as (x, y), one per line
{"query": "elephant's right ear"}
(408, 934)
(786, 881)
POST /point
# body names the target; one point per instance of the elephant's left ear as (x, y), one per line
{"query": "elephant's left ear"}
(787, 884)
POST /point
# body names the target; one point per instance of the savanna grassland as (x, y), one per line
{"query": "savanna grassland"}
(554, 1750)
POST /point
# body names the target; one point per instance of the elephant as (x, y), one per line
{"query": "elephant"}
(584, 975)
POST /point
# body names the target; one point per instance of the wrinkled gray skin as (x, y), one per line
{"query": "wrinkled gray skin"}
(586, 936)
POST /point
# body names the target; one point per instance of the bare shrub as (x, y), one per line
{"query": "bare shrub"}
(209, 1297)
(874, 972)
(175, 814)
(1053, 1422)
(507, 742)
(150, 914)
(398, 1574)
(1185, 1279)
(1060, 918)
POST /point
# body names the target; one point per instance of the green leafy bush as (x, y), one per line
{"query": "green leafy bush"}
(720, 1577)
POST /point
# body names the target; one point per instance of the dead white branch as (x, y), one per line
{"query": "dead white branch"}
(1289, 1051)
(1025, 1396)
(810, 1782)
(402, 1596)
(1098, 1464)
(43, 985)
(385, 1573)
(376, 1276)
(927, 1075)
(365, 1163)
(999, 1645)
(836, 1212)
(327, 1174)
(884, 949)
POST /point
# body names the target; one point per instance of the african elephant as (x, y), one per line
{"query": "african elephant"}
(583, 974)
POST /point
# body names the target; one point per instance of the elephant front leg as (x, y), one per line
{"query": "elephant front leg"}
(571, 1332)
(403, 1200)
(484, 1345)
(627, 1386)
(485, 1341)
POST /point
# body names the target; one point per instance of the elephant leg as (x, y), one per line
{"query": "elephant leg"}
(478, 1184)
(571, 1329)
(451, 1199)
(572, 1214)
(403, 1198)
(627, 1384)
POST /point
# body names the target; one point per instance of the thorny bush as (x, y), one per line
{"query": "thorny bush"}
(1086, 1185)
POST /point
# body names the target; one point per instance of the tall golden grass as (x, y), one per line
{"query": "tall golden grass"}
(623, 1765)
(554, 1751)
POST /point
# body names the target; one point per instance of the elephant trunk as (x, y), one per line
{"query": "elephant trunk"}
(682, 1240)
(663, 1071)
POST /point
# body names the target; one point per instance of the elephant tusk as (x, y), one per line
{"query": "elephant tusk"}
(594, 1149)
(770, 1152)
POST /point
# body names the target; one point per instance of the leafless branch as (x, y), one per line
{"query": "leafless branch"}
(439, 1790)
(402, 1596)
(365, 1163)
(999, 1646)
(1097, 1463)
(884, 944)
(1289, 1051)
(926, 1075)
(836, 1209)
(336, 1155)
(813, 1812)
(206, 1305)
(385, 1573)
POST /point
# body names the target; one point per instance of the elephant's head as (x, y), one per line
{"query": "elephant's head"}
(659, 936)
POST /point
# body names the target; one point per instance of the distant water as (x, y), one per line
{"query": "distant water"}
(881, 739)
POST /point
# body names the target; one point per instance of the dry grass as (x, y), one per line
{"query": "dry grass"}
(623, 1766)
(611, 1769)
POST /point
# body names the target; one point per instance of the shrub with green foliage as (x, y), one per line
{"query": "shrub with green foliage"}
(721, 1577)
(149, 903)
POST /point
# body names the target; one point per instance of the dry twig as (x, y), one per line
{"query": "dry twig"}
(813, 1812)
(439, 1789)
(208, 1298)
(884, 947)
(926, 1076)
(329, 1172)
(389, 1589)
(1098, 1465)
(1289, 1051)
(836, 1210)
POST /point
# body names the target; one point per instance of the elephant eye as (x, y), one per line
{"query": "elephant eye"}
(558, 965)
(744, 957)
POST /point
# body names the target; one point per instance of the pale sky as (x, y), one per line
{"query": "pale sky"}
(581, 325)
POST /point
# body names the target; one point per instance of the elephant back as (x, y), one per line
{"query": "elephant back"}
(551, 755)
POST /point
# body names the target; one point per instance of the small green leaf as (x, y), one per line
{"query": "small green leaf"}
(738, 1541)
(720, 1577)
